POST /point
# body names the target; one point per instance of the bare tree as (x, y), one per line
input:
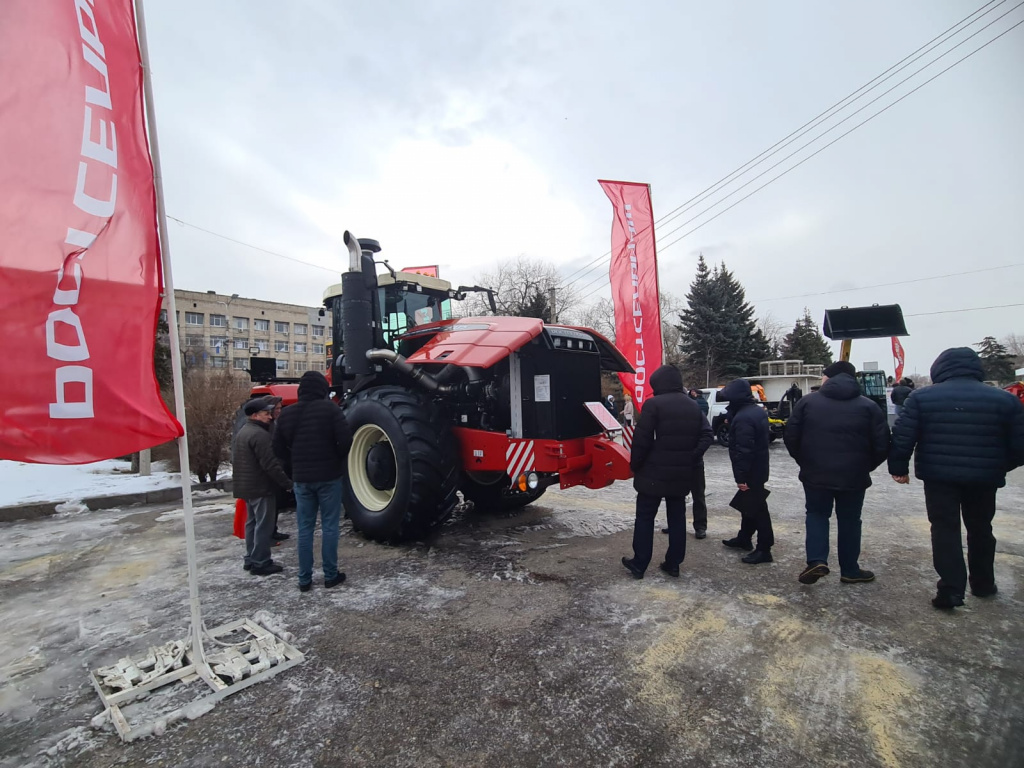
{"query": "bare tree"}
(600, 316)
(1014, 343)
(523, 288)
(671, 335)
(773, 330)
(211, 399)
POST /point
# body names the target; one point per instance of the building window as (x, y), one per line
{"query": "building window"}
(280, 327)
(280, 346)
(193, 318)
(261, 325)
(300, 329)
(241, 343)
(300, 366)
(261, 345)
(219, 321)
(300, 347)
(318, 331)
(318, 349)
(319, 365)
(163, 315)
(282, 366)
(240, 323)
(193, 341)
(219, 362)
(239, 364)
(219, 344)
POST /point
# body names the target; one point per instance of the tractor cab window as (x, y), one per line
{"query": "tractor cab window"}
(404, 309)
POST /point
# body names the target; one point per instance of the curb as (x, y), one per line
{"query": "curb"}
(41, 509)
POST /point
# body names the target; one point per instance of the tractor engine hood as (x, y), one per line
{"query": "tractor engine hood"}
(480, 342)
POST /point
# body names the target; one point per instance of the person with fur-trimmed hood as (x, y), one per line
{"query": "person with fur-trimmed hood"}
(668, 446)
(748, 451)
(967, 436)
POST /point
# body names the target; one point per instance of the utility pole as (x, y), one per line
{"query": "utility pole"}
(552, 313)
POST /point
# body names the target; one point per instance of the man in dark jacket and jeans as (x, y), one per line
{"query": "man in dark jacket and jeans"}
(668, 445)
(256, 477)
(313, 439)
(748, 452)
(837, 437)
(968, 436)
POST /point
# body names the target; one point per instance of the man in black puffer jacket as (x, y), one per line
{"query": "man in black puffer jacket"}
(837, 437)
(668, 445)
(313, 438)
(748, 451)
(968, 436)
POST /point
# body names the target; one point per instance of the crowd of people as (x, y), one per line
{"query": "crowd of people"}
(964, 437)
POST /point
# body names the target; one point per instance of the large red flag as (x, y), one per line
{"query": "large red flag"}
(634, 278)
(897, 354)
(80, 271)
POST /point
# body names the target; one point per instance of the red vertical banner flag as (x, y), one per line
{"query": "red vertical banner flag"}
(80, 274)
(897, 356)
(634, 280)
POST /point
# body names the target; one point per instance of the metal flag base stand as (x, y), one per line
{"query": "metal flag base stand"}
(248, 654)
(245, 652)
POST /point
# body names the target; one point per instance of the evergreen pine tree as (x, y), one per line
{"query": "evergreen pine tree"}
(996, 361)
(718, 334)
(806, 343)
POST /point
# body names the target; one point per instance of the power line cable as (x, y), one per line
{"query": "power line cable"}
(886, 285)
(250, 245)
(966, 309)
(829, 130)
(813, 122)
(841, 136)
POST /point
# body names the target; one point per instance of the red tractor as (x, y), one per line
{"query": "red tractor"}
(498, 408)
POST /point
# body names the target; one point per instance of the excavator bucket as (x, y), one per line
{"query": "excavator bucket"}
(874, 322)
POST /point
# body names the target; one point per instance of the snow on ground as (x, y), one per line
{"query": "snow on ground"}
(22, 483)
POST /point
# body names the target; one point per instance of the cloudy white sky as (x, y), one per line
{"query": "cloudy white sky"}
(466, 133)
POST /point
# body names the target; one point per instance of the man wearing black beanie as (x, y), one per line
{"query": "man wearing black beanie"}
(313, 438)
(837, 437)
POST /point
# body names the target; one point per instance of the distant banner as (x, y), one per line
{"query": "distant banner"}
(79, 259)
(897, 355)
(634, 280)
(428, 271)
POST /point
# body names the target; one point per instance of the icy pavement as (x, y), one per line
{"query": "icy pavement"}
(519, 639)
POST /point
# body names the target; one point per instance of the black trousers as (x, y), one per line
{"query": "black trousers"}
(700, 507)
(643, 529)
(946, 503)
(758, 521)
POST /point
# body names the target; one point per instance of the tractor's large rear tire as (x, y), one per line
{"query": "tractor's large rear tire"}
(487, 491)
(403, 469)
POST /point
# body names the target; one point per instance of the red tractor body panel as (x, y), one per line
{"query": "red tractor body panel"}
(474, 342)
(289, 393)
(595, 462)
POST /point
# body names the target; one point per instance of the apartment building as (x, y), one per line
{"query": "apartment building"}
(219, 331)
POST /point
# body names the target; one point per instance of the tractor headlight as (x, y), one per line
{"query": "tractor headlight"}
(532, 481)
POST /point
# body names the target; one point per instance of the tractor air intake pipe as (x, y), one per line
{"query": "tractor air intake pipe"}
(357, 288)
(418, 375)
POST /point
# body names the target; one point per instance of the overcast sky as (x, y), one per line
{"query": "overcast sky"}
(466, 133)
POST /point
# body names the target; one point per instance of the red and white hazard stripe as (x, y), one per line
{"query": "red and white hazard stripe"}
(627, 436)
(520, 458)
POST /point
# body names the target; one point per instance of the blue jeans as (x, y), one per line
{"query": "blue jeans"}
(848, 505)
(309, 498)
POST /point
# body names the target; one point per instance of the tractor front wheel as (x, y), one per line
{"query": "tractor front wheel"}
(403, 468)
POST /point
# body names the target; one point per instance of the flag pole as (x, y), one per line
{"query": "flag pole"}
(198, 656)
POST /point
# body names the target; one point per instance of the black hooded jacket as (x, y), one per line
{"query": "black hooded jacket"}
(670, 438)
(748, 434)
(965, 432)
(837, 436)
(312, 437)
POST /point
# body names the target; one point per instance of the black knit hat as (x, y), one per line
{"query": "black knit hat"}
(842, 366)
(313, 385)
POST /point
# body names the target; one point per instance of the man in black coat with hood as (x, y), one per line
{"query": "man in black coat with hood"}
(968, 436)
(748, 452)
(313, 439)
(668, 446)
(837, 437)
